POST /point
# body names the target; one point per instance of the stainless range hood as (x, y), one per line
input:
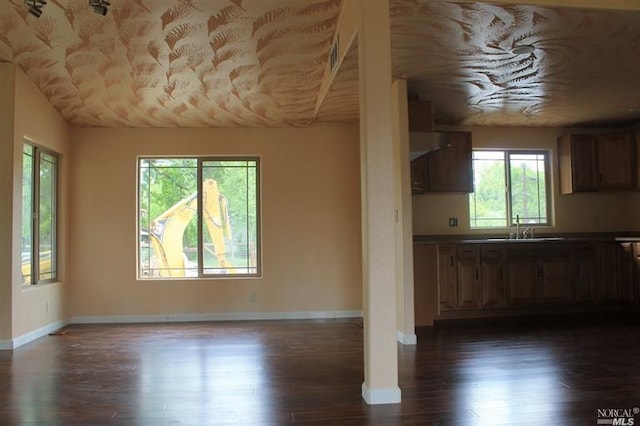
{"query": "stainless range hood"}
(421, 143)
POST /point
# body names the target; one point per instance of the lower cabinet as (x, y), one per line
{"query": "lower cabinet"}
(522, 277)
(555, 277)
(468, 277)
(539, 273)
(512, 274)
(492, 276)
(628, 266)
(607, 273)
(585, 272)
(459, 277)
(447, 277)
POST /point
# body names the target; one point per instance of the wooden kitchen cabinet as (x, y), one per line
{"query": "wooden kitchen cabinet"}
(418, 175)
(555, 275)
(615, 162)
(523, 276)
(585, 272)
(577, 163)
(605, 162)
(468, 276)
(425, 284)
(492, 276)
(607, 274)
(447, 277)
(450, 168)
(420, 116)
(628, 274)
(538, 273)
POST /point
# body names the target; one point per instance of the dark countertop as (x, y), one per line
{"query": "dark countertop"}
(542, 237)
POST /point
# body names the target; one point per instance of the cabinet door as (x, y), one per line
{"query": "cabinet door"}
(447, 277)
(614, 162)
(585, 272)
(522, 279)
(418, 176)
(607, 276)
(555, 280)
(626, 262)
(492, 276)
(468, 277)
(577, 166)
(450, 169)
(420, 117)
(425, 284)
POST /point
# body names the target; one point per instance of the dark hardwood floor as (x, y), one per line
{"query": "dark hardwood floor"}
(556, 372)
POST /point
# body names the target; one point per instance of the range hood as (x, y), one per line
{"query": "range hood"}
(421, 143)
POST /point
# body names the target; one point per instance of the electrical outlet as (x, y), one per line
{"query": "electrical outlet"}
(47, 306)
(453, 221)
(252, 297)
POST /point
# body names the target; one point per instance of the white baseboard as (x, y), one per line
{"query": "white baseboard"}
(230, 316)
(381, 396)
(32, 335)
(406, 339)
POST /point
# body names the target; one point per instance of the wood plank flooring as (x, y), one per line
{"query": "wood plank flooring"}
(310, 373)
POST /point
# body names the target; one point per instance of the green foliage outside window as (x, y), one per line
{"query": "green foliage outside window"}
(169, 221)
(509, 186)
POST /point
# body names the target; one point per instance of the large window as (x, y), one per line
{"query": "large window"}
(39, 218)
(510, 187)
(198, 217)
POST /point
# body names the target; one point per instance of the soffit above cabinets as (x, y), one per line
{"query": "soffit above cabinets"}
(254, 63)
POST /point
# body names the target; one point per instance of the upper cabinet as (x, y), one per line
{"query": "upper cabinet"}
(577, 163)
(615, 162)
(589, 163)
(450, 168)
(420, 117)
(447, 169)
(441, 161)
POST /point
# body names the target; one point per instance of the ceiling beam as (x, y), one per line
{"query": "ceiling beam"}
(631, 5)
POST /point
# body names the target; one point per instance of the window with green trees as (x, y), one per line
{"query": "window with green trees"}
(198, 217)
(510, 186)
(39, 215)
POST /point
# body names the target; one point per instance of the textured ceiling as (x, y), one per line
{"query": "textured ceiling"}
(202, 63)
(165, 63)
(585, 69)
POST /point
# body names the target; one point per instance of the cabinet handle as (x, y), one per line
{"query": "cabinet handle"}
(451, 258)
(477, 274)
(501, 273)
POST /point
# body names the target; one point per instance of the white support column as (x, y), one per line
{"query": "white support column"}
(406, 332)
(378, 205)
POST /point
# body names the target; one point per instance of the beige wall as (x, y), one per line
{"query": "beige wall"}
(573, 213)
(7, 77)
(38, 306)
(310, 222)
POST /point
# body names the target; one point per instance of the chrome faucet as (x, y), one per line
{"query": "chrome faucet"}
(517, 226)
(527, 231)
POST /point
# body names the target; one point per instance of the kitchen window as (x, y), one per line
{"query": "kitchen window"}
(198, 217)
(510, 187)
(39, 215)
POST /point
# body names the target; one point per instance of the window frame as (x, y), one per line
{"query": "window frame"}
(510, 220)
(37, 152)
(200, 159)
